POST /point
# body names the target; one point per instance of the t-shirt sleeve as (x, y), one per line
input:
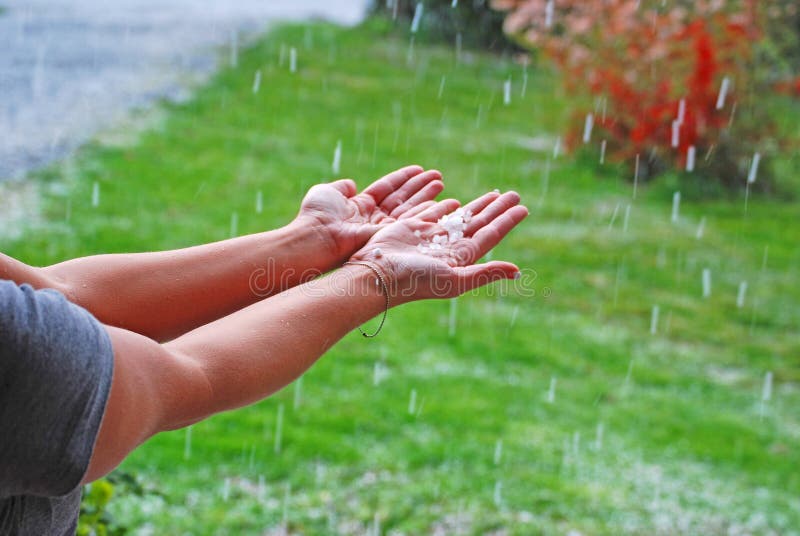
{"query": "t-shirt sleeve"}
(56, 364)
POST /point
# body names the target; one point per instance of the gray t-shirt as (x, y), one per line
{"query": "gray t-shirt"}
(56, 365)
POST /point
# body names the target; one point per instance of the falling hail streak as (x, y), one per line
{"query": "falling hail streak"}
(451, 323)
(723, 93)
(279, 430)
(766, 391)
(557, 148)
(654, 320)
(337, 158)
(676, 134)
(753, 174)
(226, 489)
(234, 224)
(740, 296)
(415, 22)
(298, 393)
(701, 228)
(524, 83)
(613, 217)
(598, 438)
(676, 206)
(587, 128)
(766, 394)
(628, 375)
(551, 392)
(691, 156)
(498, 493)
(549, 11)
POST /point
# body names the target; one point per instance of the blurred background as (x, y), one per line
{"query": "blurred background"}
(645, 379)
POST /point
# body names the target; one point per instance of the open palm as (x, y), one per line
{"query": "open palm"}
(348, 219)
(449, 270)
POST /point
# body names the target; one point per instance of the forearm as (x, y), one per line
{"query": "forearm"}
(257, 351)
(230, 363)
(164, 294)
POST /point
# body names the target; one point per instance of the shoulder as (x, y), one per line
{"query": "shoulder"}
(43, 322)
(44, 319)
(56, 365)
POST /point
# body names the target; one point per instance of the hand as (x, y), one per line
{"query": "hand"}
(348, 219)
(414, 274)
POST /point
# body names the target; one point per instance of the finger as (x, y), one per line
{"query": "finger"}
(439, 209)
(492, 211)
(408, 189)
(416, 210)
(477, 205)
(478, 275)
(422, 229)
(346, 186)
(391, 182)
(366, 231)
(491, 234)
(427, 193)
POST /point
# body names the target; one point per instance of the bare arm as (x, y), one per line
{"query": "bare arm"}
(229, 363)
(164, 294)
(254, 352)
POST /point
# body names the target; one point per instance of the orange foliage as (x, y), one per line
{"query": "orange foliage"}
(640, 61)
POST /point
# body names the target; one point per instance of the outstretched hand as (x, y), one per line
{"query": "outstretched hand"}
(348, 219)
(421, 262)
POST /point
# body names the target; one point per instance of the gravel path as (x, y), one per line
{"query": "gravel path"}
(69, 68)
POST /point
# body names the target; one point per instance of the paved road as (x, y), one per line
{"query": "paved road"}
(69, 68)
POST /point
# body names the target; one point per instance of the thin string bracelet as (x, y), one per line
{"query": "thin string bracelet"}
(385, 293)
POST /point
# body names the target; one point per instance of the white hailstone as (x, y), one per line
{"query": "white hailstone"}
(454, 225)
(378, 253)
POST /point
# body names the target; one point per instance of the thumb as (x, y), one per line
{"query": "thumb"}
(346, 186)
(479, 275)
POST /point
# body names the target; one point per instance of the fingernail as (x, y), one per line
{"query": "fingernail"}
(517, 275)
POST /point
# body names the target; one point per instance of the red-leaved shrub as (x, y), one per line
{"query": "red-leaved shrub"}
(655, 74)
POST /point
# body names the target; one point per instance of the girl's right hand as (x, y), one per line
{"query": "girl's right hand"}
(447, 269)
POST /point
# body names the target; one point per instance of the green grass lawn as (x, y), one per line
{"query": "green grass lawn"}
(646, 433)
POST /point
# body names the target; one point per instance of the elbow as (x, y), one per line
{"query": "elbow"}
(50, 277)
(192, 398)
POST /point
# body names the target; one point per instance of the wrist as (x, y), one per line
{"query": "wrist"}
(396, 276)
(317, 242)
(366, 280)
